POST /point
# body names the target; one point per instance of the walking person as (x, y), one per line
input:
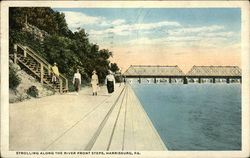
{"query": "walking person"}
(77, 81)
(94, 82)
(55, 74)
(110, 82)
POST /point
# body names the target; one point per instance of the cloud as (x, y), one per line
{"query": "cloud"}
(104, 23)
(205, 36)
(118, 22)
(183, 41)
(142, 41)
(104, 30)
(195, 38)
(77, 19)
(195, 30)
(145, 26)
(109, 32)
(117, 27)
(125, 29)
(223, 34)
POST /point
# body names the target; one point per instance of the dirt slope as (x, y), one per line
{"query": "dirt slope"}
(26, 82)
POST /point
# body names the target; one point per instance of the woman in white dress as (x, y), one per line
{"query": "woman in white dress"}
(94, 82)
(55, 74)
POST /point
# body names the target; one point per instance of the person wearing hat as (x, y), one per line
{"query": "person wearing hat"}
(110, 82)
(94, 82)
(77, 81)
(55, 72)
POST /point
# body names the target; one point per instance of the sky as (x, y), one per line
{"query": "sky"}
(162, 36)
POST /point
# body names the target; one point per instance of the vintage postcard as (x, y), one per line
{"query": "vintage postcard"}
(125, 79)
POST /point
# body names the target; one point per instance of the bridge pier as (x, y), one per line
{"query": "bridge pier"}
(214, 80)
(148, 81)
(185, 80)
(188, 79)
(124, 79)
(199, 80)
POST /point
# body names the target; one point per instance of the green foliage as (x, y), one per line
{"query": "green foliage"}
(114, 67)
(44, 18)
(21, 97)
(24, 38)
(69, 50)
(14, 80)
(32, 91)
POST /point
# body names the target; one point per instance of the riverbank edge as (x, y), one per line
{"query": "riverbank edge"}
(148, 119)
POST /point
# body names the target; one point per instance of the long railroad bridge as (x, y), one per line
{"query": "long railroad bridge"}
(172, 74)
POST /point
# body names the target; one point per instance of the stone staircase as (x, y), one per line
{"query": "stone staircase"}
(38, 67)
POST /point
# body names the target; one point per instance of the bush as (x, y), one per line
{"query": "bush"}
(118, 79)
(14, 80)
(33, 91)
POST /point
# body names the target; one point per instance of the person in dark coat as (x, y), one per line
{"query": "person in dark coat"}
(77, 81)
(110, 82)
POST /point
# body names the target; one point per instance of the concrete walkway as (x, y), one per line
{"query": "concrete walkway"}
(83, 122)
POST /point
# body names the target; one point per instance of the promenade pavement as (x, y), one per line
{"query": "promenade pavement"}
(83, 122)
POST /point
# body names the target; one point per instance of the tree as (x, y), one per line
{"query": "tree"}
(44, 18)
(70, 50)
(114, 67)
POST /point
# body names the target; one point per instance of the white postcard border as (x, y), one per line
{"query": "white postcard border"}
(245, 61)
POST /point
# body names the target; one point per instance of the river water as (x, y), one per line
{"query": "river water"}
(194, 116)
